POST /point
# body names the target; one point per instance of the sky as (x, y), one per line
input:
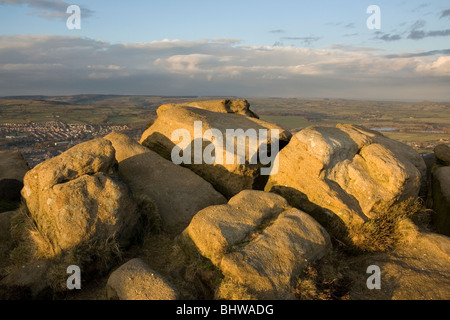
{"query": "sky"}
(246, 48)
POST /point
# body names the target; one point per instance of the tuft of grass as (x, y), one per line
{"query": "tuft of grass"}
(23, 233)
(390, 226)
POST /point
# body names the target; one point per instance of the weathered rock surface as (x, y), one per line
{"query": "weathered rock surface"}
(135, 280)
(75, 197)
(259, 241)
(346, 171)
(414, 271)
(441, 200)
(12, 170)
(442, 154)
(177, 192)
(228, 177)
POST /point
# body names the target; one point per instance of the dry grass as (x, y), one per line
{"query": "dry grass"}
(24, 235)
(31, 246)
(390, 226)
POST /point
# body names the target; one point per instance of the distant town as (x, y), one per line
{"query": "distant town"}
(41, 141)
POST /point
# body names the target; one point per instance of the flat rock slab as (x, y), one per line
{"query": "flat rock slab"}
(259, 241)
(135, 280)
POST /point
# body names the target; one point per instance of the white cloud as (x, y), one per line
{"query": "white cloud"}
(439, 67)
(44, 64)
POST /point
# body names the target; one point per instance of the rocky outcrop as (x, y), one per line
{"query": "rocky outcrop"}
(346, 172)
(12, 170)
(259, 241)
(441, 199)
(224, 106)
(135, 280)
(216, 145)
(76, 198)
(177, 192)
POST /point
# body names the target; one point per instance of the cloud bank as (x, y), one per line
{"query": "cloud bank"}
(55, 65)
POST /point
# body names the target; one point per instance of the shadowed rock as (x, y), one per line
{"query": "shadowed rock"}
(441, 200)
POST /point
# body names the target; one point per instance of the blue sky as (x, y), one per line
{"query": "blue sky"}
(243, 48)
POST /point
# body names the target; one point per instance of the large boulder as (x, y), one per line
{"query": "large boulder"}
(177, 192)
(12, 170)
(76, 198)
(258, 241)
(441, 200)
(346, 171)
(135, 280)
(230, 158)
